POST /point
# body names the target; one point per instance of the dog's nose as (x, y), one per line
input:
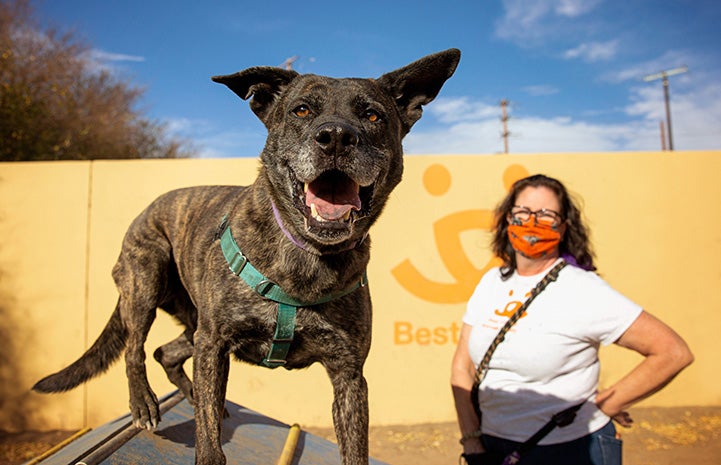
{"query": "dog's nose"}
(336, 138)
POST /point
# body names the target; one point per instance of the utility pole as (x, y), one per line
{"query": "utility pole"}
(504, 120)
(663, 136)
(664, 76)
(288, 63)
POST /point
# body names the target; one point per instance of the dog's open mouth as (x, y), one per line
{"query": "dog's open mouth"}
(332, 197)
(334, 200)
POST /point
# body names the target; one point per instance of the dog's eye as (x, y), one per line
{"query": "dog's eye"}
(372, 116)
(301, 111)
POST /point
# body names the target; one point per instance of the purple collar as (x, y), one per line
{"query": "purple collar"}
(302, 244)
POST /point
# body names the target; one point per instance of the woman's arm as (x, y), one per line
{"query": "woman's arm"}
(462, 375)
(665, 355)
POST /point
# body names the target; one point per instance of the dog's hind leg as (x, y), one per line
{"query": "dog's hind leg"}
(143, 401)
(172, 356)
(141, 275)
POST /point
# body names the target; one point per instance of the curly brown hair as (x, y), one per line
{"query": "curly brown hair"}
(575, 245)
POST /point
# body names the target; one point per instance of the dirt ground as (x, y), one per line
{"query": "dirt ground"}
(660, 436)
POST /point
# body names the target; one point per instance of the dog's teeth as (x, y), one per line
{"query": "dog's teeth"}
(346, 217)
(314, 213)
(305, 188)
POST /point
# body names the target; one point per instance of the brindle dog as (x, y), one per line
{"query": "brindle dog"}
(332, 157)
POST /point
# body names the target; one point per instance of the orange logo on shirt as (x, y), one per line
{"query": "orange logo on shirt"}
(511, 307)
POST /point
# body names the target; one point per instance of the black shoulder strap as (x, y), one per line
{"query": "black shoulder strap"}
(560, 419)
(551, 276)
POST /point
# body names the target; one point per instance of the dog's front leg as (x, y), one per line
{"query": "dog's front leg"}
(211, 363)
(350, 415)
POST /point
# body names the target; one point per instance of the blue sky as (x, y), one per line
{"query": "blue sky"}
(572, 69)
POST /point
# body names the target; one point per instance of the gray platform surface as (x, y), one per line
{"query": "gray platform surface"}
(249, 438)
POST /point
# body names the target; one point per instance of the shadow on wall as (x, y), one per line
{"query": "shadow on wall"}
(16, 399)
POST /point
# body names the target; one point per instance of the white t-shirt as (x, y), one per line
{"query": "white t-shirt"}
(549, 359)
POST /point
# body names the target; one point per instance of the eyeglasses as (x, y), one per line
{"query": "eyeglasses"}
(521, 214)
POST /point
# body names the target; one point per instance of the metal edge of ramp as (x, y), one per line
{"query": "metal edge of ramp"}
(249, 438)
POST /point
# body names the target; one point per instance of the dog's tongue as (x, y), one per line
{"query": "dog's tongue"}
(333, 196)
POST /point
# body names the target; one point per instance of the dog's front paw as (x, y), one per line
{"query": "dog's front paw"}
(145, 410)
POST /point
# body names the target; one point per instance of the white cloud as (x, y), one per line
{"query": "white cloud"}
(98, 60)
(540, 90)
(480, 137)
(522, 19)
(695, 110)
(460, 109)
(102, 55)
(636, 72)
(575, 8)
(213, 142)
(696, 119)
(230, 144)
(593, 51)
(695, 98)
(647, 102)
(531, 20)
(535, 135)
(185, 126)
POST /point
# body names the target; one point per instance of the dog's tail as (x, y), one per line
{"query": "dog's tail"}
(96, 360)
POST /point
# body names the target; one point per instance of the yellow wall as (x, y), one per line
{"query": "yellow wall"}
(654, 221)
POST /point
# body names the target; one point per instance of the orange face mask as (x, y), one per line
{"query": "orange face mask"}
(533, 240)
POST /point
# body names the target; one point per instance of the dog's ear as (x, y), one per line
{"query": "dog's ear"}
(418, 83)
(263, 83)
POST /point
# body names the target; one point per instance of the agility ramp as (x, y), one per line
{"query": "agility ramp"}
(249, 438)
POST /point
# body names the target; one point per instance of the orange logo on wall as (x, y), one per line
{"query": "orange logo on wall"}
(447, 235)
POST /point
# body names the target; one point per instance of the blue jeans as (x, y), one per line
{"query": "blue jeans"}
(599, 448)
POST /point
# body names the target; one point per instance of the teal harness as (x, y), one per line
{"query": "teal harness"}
(287, 305)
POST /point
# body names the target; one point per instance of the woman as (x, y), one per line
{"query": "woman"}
(549, 359)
